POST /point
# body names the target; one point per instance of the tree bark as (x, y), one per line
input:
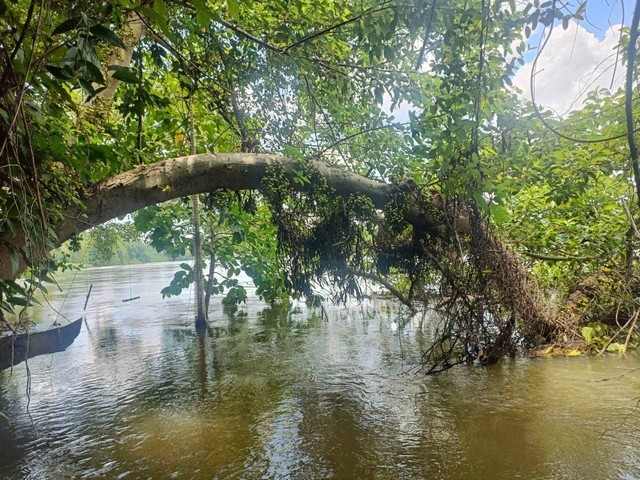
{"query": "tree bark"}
(201, 313)
(212, 267)
(133, 30)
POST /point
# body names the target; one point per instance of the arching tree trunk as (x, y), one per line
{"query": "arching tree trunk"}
(147, 185)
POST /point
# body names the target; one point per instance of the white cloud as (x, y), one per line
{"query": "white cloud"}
(573, 63)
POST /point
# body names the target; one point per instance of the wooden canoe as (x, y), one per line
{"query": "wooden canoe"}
(17, 348)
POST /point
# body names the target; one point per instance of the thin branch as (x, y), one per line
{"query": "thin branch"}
(427, 32)
(631, 320)
(555, 258)
(631, 330)
(368, 11)
(173, 50)
(239, 31)
(632, 222)
(23, 33)
(536, 109)
(618, 377)
(357, 134)
(248, 36)
(631, 57)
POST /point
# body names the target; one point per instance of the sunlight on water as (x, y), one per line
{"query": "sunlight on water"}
(284, 393)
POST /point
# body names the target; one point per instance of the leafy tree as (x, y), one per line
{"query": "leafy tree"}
(103, 243)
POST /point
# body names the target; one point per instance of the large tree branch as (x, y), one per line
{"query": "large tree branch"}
(147, 185)
(133, 30)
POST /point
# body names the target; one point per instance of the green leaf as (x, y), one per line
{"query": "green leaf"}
(63, 73)
(124, 74)
(86, 86)
(203, 14)
(20, 301)
(157, 16)
(108, 36)
(93, 74)
(379, 94)
(587, 334)
(615, 348)
(161, 9)
(500, 214)
(233, 6)
(67, 26)
(15, 260)
(573, 353)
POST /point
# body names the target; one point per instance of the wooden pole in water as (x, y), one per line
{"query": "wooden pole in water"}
(87, 299)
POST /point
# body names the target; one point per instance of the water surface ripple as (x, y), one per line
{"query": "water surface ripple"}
(276, 392)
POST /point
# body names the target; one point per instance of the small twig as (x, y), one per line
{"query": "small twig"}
(613, 379)
(615, 335)
(555, 258)
(427, 32)
(624, 420)
(386, 284)
(631, 329)
(537, 111)
(330, 29)
(361, 132)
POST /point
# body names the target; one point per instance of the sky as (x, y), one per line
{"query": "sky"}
(574, 62)
(578, 59)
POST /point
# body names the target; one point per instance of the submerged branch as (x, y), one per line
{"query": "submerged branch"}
(386, 284)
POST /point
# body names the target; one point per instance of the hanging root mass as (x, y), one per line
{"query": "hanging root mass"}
(489, 307)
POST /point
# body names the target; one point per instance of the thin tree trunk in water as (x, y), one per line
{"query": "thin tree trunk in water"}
(212, 268)
(201, 312)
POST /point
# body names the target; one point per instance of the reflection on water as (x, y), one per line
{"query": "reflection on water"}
(285, 393)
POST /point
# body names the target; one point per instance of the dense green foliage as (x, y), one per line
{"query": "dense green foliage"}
(319, 80)
(112, 244)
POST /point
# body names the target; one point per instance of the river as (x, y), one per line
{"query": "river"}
(292, 393)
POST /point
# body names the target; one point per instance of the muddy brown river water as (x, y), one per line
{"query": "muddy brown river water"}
(288, 393)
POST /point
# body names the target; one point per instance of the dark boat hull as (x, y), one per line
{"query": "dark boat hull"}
(17, 348)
